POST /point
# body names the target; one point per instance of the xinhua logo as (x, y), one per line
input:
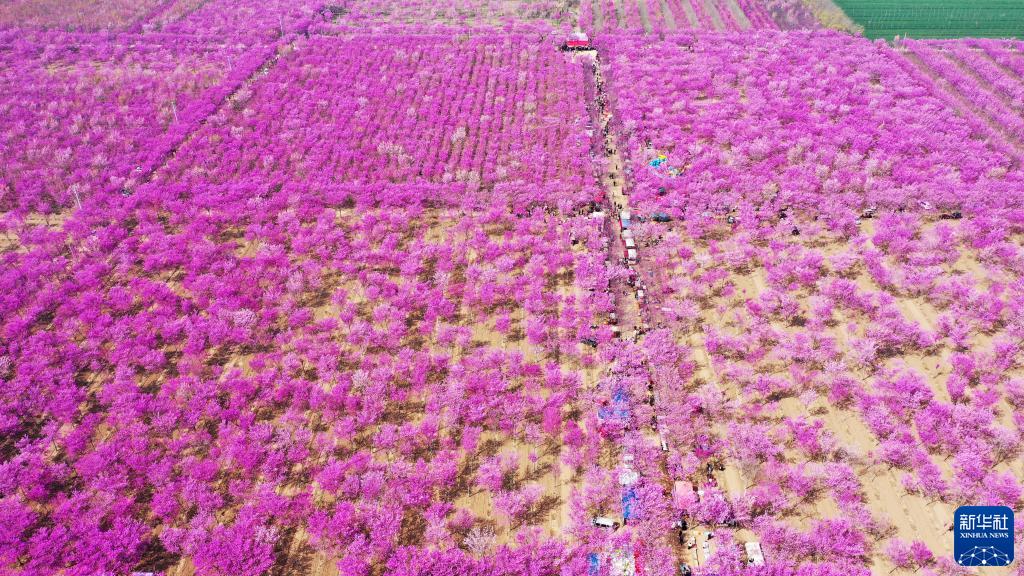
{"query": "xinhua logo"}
(983, 536)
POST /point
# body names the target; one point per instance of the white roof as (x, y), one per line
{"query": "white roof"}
(631, 253)
(624, 214)
(630, 243)
(754, 555)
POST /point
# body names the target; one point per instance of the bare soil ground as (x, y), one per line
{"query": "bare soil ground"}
(668, 16)
(737, 14)
(712, 12)
(539, 463)
(910, 516)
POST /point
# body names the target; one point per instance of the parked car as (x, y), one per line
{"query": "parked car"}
(603, 522)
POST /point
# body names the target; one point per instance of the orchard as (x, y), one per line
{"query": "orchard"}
(614, 288)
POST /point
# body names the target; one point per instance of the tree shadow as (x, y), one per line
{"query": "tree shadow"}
(535, 474)
(539, 512)
(290, 562)
(155, 558)
(463, 479)
(414, 526)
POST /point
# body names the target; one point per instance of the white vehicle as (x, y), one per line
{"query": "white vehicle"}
(664, 445)
(754, 555)
(631, 255)
(603, 522)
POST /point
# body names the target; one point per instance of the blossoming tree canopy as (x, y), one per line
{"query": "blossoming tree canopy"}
(378, 287)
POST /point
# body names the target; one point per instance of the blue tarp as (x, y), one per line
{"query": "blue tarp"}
(628, 502)
(616, 411)
(593, 564)
(619, 408)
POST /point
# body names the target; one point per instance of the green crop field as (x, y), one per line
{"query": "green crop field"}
(937, 18)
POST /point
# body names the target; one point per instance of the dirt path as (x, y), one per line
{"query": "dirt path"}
(691, 14)
(667, 16)
(712, 11)
(626, 304)
(738, 15)
(633, 317)
(598, 14)
(644, 16)
(620, 14)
